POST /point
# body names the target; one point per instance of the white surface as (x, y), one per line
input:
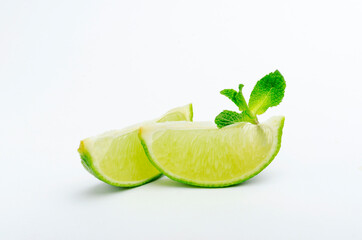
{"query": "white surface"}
(72, 69)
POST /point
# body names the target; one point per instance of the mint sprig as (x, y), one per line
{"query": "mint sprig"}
(268, 92)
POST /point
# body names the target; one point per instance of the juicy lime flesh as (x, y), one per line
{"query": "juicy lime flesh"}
(214, 157)
(125, 160)
(118, 158)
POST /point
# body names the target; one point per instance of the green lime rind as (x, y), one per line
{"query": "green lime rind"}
(191, 112)
(86, 161)
(217, 185)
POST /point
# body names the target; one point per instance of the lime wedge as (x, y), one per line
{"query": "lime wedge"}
(117, 157)
(200, 154)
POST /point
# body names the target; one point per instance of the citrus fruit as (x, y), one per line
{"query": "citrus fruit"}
(200, 154)
(118, 158)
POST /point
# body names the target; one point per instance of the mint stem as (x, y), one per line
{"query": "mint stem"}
(252, 116)
(243, 106)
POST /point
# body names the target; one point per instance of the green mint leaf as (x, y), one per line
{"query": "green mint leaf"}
(236, 97)
(231, 94)
(227, 117)
(268, 92)
(241, 100)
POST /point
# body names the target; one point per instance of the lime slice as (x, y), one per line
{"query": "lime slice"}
(201, 154)
(117, 157)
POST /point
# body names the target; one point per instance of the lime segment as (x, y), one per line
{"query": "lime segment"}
(201, 154)
(118, 158)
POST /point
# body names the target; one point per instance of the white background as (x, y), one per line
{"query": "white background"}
(73, 69)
